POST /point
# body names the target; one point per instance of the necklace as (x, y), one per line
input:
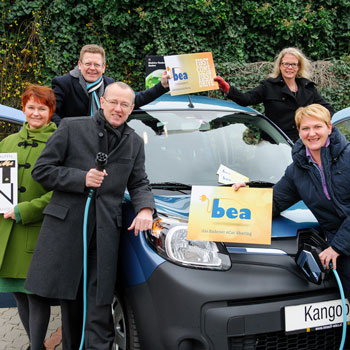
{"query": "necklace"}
(294, 90)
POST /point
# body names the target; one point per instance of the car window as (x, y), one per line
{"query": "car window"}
(344, 128)
(189, 146)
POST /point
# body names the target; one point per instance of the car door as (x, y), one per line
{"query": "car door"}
(11, 120)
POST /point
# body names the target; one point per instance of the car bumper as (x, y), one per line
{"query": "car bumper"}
(182, 308)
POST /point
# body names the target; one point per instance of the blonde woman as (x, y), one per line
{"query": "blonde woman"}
(288, 88)
(320, 176)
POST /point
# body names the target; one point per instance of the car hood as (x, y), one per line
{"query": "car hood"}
(11, 114)
(286, 225)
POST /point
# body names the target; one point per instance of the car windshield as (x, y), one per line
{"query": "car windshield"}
(188, 147)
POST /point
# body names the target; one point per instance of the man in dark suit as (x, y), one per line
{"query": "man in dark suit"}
(67, 166)
(78, 92)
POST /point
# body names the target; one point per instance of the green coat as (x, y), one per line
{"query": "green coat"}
(17, 240)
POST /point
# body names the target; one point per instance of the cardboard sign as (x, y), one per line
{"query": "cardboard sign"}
(155, 66)
(228, 176)
(191, 73)
(8, 181)
(222, 214)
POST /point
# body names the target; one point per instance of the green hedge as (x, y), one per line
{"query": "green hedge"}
(332, 78)
(42, 38)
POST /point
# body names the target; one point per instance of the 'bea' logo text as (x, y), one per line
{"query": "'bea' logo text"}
(231, 213)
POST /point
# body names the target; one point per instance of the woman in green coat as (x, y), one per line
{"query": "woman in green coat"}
(20, 226)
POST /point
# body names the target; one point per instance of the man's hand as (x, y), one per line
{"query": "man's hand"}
(327, 256)
(10, 214)
(224, 87)
(94, 178)
(143, 221)
(164, 80)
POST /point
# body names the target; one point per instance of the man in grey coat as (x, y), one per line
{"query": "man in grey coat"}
(67, 166)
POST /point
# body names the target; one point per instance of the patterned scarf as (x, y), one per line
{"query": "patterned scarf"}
(92, 89)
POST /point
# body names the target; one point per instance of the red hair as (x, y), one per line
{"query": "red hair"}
(40, 94)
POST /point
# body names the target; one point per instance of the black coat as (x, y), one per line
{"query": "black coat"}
(73, 101)
(303, 182)
(56, 266)
(279, 102)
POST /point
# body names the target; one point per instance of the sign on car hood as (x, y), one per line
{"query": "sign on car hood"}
(296, 217)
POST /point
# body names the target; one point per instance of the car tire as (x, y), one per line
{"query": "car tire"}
(125, 332)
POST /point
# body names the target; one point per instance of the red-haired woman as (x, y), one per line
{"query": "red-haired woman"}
(20, 226)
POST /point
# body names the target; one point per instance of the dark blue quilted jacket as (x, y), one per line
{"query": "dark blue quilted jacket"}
(302, 181)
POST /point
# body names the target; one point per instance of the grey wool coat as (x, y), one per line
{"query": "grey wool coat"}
(56, 267)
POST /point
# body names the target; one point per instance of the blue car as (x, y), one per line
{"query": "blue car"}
(16, 118)
(173, 293)
(177, 294)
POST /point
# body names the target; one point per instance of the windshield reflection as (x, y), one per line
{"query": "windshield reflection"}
(189, 146)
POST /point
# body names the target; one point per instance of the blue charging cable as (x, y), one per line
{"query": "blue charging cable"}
(342, 295)
(86, 215)
(101, 161)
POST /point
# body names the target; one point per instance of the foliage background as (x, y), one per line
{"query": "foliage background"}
(42, 38)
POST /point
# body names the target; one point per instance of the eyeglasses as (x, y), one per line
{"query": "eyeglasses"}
(123, 105)
(89, 64)
(292, 65)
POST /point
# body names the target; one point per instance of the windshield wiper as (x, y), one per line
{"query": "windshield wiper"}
(261, 184)
(174, 186)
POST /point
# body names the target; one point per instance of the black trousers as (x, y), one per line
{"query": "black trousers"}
(99, 328)
(34, 312)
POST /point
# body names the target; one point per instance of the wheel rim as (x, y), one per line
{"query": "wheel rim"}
(119, 326)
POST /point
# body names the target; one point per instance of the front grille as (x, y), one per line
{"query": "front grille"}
(328, 339)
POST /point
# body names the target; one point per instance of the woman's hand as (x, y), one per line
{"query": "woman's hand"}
(224, 87)
(327, 256)
(238, 185)
(10, 214)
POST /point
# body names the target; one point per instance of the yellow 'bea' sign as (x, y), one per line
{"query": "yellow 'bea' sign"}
(191, 73)
(222, 214)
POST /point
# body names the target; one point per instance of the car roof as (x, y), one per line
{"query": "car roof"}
(11, 114)
(340, 115)
(166, 102)
(181, 102)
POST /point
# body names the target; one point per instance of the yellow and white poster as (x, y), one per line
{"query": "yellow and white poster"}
(222, 214)
(8, 181)
(191, 73)
(228, 176)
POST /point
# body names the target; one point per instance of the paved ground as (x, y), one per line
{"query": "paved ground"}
(14, 337)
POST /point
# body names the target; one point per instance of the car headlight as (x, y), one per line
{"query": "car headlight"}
(169, 239)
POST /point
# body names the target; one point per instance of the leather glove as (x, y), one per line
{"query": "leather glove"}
(224, 87)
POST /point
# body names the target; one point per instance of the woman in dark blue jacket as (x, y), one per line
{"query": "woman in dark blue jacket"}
(320, 176)
(288, 88)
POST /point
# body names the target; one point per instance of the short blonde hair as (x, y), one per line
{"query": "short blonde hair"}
(92, 48)
(315, 111)
(305, 67)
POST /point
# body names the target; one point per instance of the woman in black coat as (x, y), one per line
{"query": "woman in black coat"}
(288, 88)
(320, 176)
